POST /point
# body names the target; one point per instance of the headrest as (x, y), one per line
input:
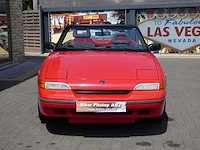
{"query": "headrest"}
(124, 40)
(85, 33)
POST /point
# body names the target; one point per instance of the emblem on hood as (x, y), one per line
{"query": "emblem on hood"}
(102, 81)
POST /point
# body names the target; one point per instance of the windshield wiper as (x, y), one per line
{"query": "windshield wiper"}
(101, 48)
(118, 47)
(77, 48)
(82, 45)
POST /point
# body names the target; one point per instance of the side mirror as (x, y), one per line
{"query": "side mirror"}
(154, 47)
(49, 45)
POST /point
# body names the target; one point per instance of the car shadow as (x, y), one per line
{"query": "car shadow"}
(142, 127)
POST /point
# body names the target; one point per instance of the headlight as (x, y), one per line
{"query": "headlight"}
(149, 86)
(56, 86)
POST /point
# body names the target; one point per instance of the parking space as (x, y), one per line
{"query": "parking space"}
(21, 129)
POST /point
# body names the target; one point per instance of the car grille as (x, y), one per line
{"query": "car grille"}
(102, 91)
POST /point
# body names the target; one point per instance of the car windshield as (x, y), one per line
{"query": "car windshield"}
(101, 37)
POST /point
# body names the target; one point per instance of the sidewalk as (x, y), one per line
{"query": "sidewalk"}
(21, 71)
(14, 73)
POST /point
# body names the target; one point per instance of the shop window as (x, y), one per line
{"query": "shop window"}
(62, 19)
(4, 51)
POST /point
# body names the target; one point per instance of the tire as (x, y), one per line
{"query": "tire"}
(160, 118)
(43, 119)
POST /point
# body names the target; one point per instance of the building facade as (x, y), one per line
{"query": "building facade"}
(173, 24)
(11, 33)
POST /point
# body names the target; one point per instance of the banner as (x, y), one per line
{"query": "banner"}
(177, 30)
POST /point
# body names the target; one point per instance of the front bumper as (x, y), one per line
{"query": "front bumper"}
(134, 109)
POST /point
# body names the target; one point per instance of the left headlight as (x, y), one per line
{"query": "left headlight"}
(54, 85)
(149, 86)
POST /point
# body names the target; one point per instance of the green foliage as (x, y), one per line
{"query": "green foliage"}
(27, 4)
(119, 15)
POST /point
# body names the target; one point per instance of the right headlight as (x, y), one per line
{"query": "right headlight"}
(149, 86)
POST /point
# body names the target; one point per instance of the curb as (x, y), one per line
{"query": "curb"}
(28, 74)
(23, 76)
(177, 55)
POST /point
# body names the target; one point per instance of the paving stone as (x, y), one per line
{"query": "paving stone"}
(20, 127)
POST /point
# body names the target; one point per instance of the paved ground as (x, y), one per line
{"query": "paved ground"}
(20, 128)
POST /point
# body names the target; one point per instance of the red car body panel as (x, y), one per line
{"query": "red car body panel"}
(83, 70)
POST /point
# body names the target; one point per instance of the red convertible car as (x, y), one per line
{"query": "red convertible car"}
(101, 74)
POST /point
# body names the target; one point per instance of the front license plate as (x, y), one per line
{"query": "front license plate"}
(100, 106)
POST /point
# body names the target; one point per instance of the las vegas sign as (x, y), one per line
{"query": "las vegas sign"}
(178, 29)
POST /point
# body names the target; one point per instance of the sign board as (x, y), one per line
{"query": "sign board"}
(91, 16)
(178, 29)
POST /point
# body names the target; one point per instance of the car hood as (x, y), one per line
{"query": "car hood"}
(101, 65)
